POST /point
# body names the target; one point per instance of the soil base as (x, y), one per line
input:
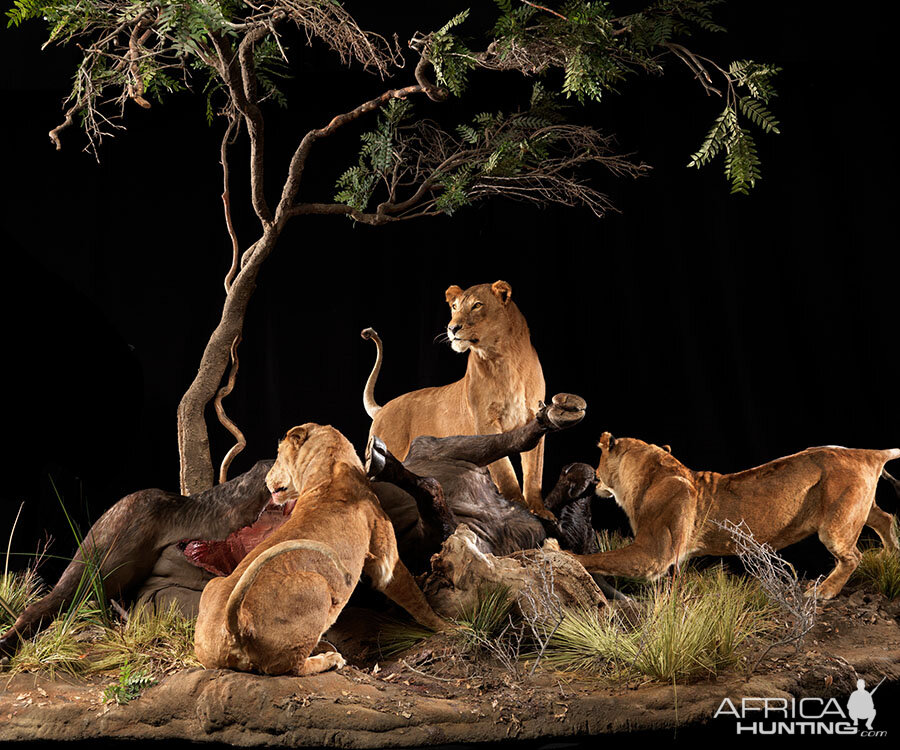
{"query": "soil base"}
(428, 696)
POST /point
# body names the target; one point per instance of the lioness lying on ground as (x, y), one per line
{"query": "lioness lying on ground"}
(501, 390)
(270, 613)
(673, 510)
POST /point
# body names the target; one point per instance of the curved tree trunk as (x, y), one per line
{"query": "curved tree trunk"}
(193, 440)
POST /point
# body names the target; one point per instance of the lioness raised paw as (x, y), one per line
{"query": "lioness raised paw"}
(565, 410)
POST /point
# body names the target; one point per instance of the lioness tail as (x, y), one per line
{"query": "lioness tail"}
(891, 455)
(369, 393)
(894, 482)
(236, 598)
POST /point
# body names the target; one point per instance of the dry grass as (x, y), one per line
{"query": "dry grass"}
(880, 568)
(692, 626)
(17, 591)
(61, 647)
(156, 641)
(152, 641)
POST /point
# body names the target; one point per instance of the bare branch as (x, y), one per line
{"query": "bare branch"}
(54, 134)
(136, 85)
(549, 10)
(240, 78)
(226, 202)
(779, 580)
(333, 25)
(694, 64)
(435, 93)
(223, 418)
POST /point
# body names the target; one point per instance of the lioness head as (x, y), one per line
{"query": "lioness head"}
(306, 456)
(480, 316)
(613, 457)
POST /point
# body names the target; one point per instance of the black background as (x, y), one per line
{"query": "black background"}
(737, 329)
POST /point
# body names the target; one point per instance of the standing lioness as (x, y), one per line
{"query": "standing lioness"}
(502, 388)
(269, 614)
(673, 510)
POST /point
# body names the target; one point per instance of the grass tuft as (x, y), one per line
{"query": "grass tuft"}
(61, 647)
(153, 640)
(880, 568)
(395, 637)
(18, 591)
(692, 625)
(485, 617)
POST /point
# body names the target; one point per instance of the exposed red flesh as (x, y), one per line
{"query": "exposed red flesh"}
(222, 557)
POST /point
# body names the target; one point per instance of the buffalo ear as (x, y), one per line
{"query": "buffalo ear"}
(297, 435)
(607, 441)
(452, 293)
(666, 448)
(503, 291)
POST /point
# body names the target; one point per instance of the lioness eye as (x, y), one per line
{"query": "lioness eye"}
(476, 305)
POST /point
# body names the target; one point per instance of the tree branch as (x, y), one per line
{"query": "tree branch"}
(223, 418)
(298, 161)
(226, 202)
(239, 76)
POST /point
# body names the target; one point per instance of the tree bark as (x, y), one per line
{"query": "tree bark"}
(193, 439)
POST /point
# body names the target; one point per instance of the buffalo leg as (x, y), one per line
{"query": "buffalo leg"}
(437, 518)
(564, 411)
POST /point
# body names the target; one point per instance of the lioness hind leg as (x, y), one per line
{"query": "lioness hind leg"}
(283, 615)
(883, 524)
(321, 663)
(840, 540)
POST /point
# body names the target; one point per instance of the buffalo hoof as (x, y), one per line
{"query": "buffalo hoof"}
(565, 410)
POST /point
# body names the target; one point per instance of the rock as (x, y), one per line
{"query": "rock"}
(537, 579)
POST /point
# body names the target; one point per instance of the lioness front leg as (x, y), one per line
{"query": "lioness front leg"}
(653, 552)
(390, 576)
(637, 560)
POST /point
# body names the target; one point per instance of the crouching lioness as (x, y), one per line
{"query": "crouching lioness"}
(268, 615)
(673, 511)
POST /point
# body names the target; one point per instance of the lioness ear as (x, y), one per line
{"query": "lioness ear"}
(666, 448)
(607, 441)
(297, 435)
(452, 293)
(502, 290)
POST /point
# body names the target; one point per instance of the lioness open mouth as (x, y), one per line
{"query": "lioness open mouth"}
(221, 557)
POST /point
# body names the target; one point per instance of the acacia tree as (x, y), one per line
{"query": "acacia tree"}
(233, 53)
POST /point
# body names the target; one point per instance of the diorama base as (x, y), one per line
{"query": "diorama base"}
(416, 699)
